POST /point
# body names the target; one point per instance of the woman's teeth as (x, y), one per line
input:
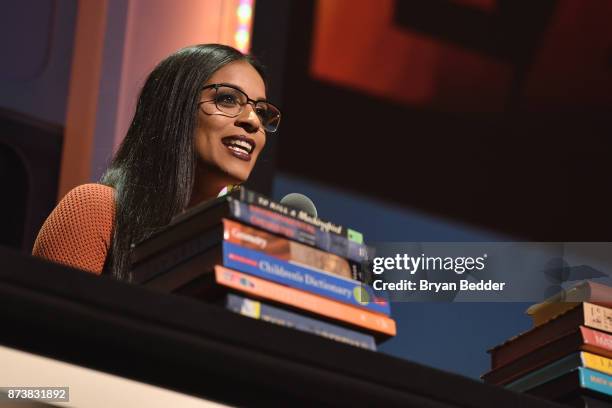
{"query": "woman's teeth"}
(240, 146)
(238, 149)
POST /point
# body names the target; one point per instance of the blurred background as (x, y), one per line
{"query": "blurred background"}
(407, 120)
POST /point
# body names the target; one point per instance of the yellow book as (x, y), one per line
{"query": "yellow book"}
(597, 363)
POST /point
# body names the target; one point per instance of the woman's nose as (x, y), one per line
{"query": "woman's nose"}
(248, 119)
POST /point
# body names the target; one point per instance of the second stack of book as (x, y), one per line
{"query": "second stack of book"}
(567, 355)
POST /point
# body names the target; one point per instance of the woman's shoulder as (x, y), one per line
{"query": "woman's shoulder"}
(91, 191)
(89, 203)
(79, 230)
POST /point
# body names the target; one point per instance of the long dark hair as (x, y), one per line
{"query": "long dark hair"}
(153, 170)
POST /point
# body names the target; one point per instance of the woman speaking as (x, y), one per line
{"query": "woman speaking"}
(199, 127)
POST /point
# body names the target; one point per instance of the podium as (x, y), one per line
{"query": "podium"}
(204, 351)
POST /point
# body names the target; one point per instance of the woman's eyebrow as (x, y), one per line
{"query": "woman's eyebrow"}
(240, 88)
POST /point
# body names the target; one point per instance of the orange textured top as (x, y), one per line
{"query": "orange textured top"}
(78, 232)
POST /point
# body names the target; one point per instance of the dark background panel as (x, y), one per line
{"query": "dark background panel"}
(539, 175)
(270, 40)
(30, 157)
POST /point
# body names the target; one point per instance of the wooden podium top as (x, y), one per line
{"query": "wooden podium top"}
(202, 350)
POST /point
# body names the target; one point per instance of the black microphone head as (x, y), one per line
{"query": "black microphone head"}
(300, 202)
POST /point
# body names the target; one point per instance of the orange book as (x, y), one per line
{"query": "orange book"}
(373, 322)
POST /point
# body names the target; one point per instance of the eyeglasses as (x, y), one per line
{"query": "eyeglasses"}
(231, 101)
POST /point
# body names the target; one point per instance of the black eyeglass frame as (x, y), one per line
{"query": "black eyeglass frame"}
(250, 101)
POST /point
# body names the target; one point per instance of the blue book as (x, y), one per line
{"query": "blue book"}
(263, 311)
(595, 380)
(310, 280)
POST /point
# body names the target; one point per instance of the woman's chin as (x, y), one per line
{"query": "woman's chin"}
(240, 178)
(224, 174)
(239, 174)
(236, 177)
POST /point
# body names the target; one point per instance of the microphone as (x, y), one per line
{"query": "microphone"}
(300, 202)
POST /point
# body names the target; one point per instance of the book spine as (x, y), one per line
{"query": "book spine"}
(257, 310)
(598, 317)
(595, 381)
(251, 197)
(309, 302)
(299, 231)
(596, 338)
(597, 363)
(324, 284)
(291, 251)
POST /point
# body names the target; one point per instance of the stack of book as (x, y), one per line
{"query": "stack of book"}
(567, 355)
(268, 261)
